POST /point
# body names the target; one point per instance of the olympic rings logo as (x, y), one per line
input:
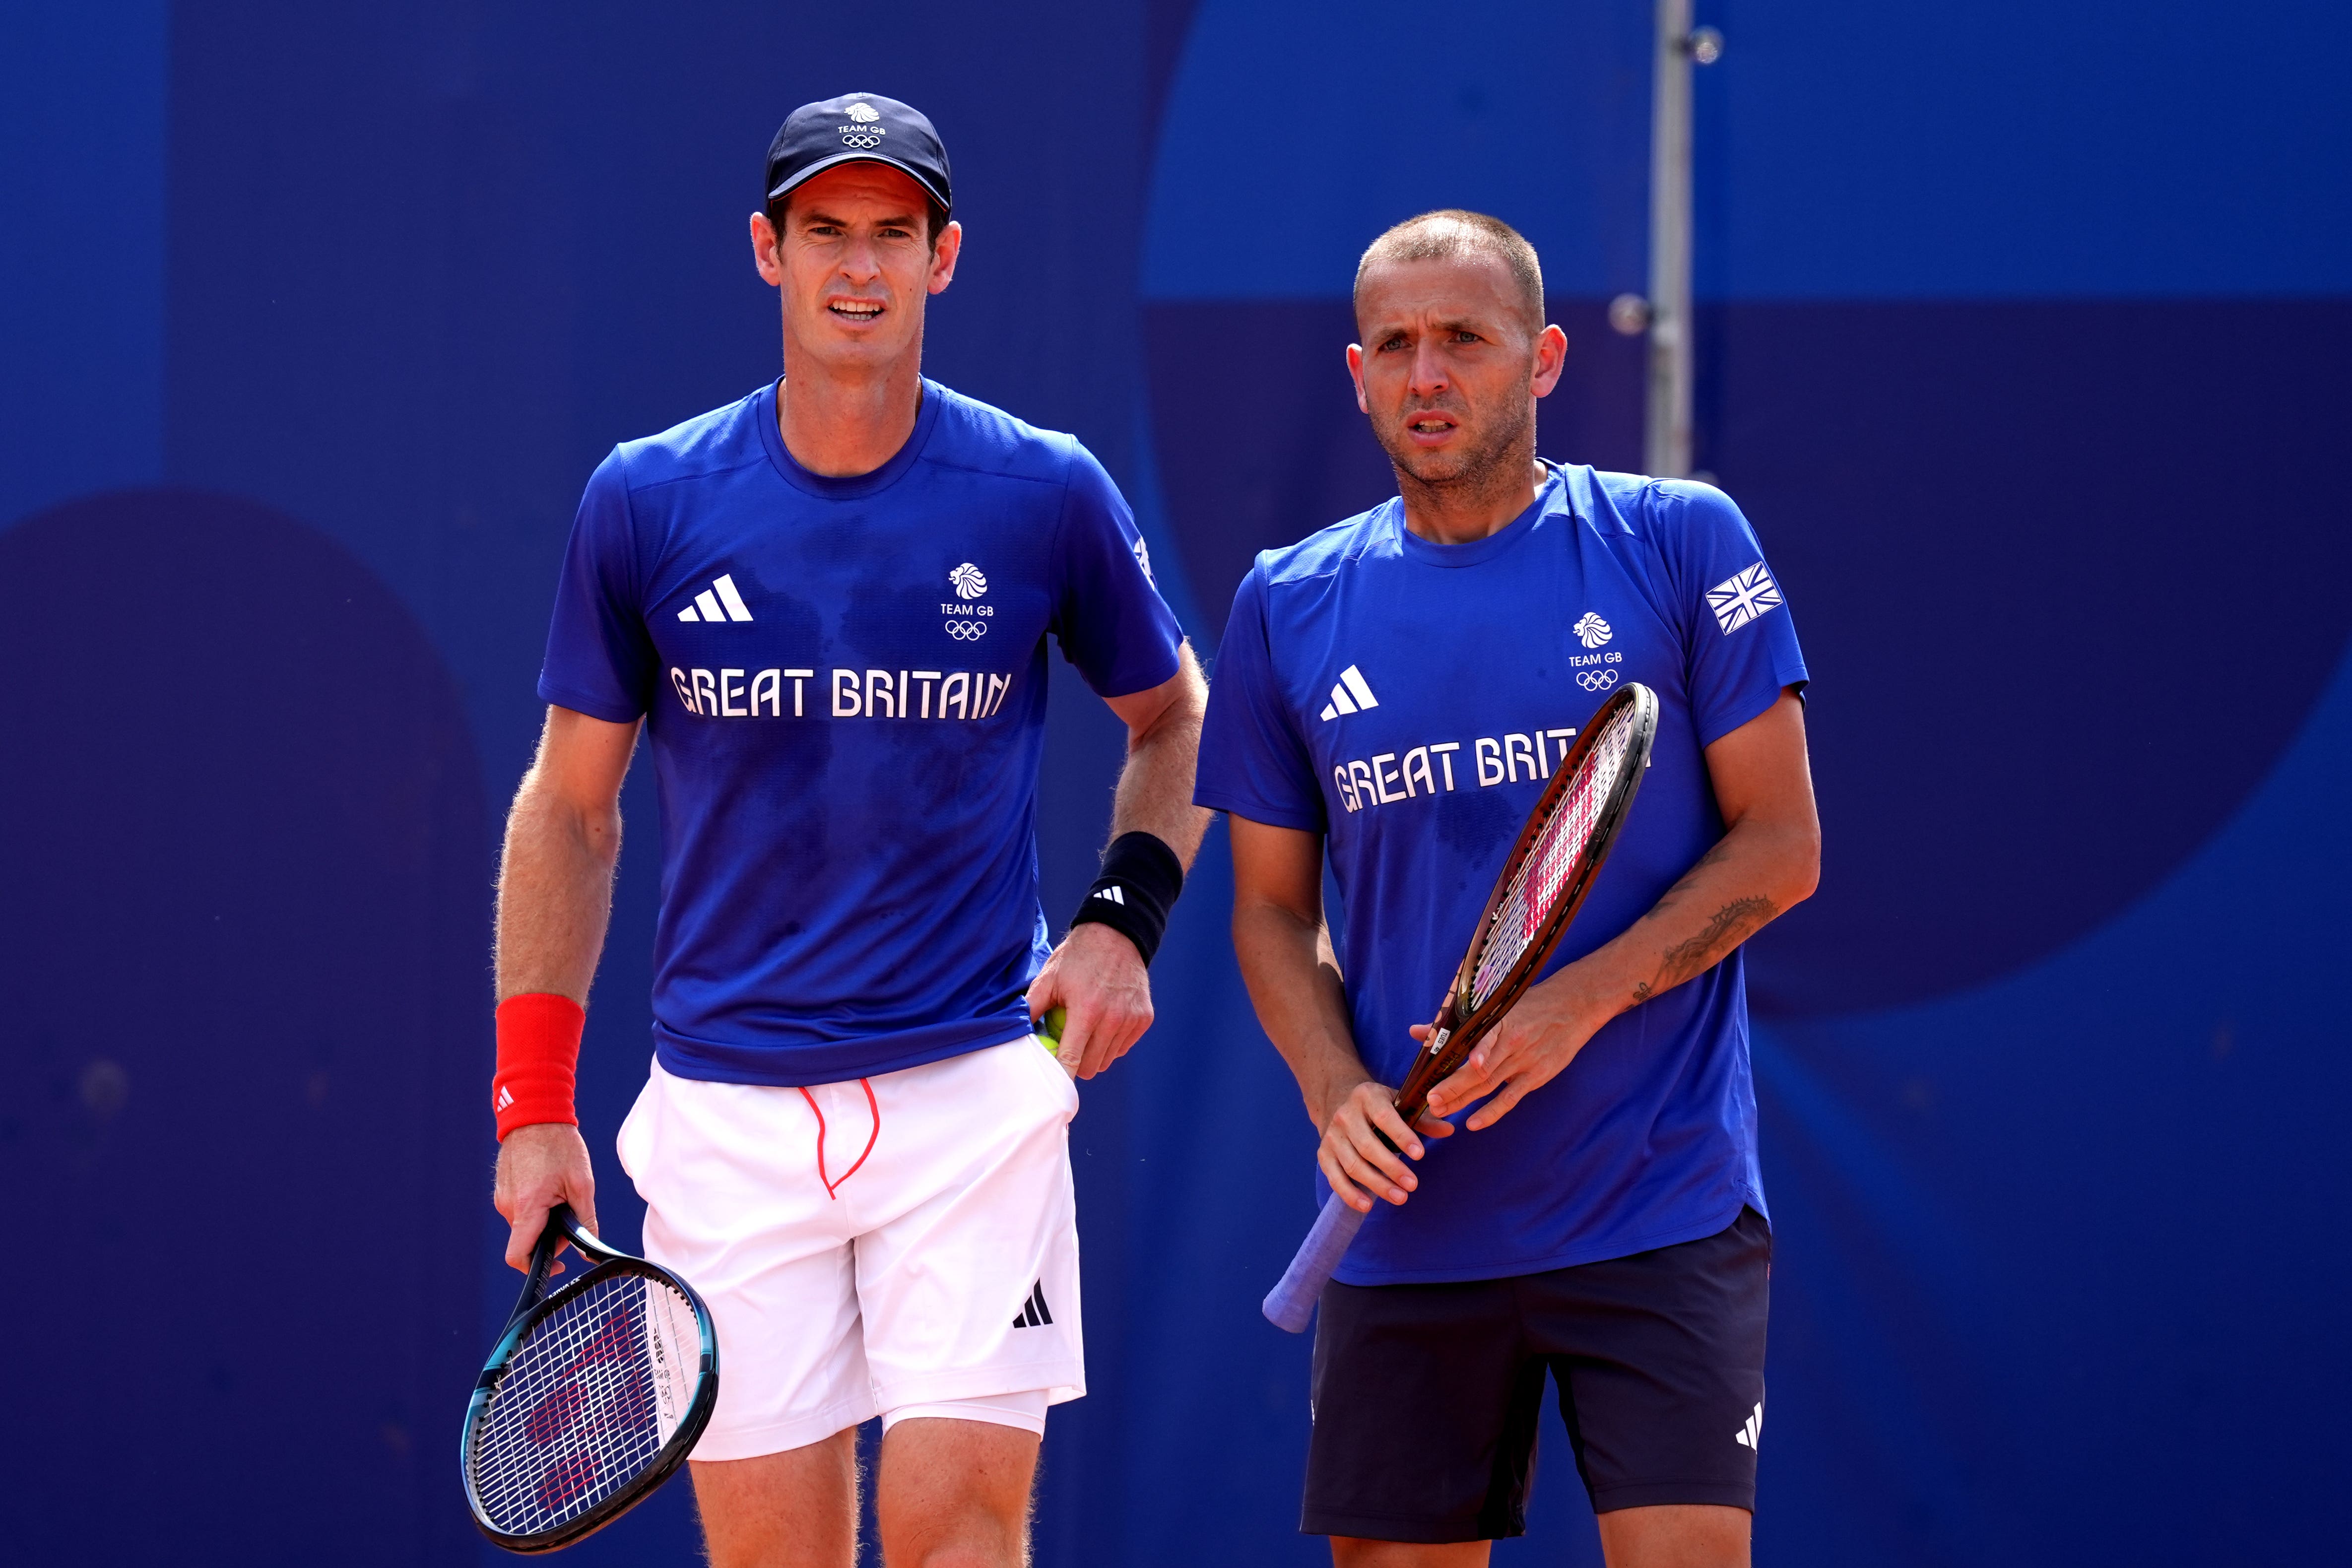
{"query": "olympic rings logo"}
(865, 141)
(1596, 680)
(967, 631)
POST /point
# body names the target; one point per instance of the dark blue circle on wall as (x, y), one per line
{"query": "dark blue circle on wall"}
(241, 1110)
(2069, 582)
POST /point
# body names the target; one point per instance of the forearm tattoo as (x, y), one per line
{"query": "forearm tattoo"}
(1725, 929)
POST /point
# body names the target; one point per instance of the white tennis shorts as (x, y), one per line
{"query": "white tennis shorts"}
(896, 1245)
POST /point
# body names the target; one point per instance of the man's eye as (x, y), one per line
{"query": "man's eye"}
(1393, 344)
(1463, 335)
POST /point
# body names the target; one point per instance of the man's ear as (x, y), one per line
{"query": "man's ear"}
(1356, 374)
(943, 257)
(1551, 358)
(767, 255)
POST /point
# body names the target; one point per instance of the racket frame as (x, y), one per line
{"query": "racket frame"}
(1459, 1025)
(531, 1310)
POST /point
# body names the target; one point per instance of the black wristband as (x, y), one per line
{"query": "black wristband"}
(1140, 882)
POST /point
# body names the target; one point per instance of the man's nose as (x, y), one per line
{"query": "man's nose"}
(1429, 377)
(861, 261)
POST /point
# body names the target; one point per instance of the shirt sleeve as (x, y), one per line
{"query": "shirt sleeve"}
(1108, 612)
(1254, 763)
(600, 659)
(1740, 641)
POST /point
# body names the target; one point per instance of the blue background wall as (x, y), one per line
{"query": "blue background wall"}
(2021, 340)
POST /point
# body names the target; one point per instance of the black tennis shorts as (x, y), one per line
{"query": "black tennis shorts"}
(1427, 1397)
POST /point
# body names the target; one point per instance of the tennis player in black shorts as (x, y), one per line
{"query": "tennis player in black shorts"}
(1581, 1205)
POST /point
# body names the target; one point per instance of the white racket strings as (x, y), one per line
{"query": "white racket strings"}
(1536, 888)
(578, 1414)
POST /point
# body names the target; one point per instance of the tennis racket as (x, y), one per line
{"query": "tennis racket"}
(1551, 867)
(593, 1398)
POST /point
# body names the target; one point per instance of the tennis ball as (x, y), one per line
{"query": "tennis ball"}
(1055, 1018)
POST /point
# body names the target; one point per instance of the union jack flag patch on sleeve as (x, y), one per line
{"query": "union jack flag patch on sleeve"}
(1740, 598)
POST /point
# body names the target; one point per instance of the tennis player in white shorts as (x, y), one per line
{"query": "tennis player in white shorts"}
(827, 608)
(902, 1245)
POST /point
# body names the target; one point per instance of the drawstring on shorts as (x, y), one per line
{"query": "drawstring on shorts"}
(832, 1189)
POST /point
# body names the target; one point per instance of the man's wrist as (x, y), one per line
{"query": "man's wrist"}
(1592, 990)
(539, 1055)
(1104, 932)
(1338, 1088)
(1141, 877)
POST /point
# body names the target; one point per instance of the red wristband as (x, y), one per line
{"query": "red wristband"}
(539, 1055)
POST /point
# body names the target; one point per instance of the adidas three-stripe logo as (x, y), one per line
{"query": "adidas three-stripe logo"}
(1750, 1429)
(1349, 695)
(1033, 1313)
(1111, 893)
(720, 592)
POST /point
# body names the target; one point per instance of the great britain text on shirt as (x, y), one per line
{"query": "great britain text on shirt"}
(1389, 778)
(854, 693)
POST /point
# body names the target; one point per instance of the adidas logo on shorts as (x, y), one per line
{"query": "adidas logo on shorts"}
(1750, 1429)
(1033, 1313)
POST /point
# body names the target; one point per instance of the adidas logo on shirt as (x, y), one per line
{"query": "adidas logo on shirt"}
(1751, 1429)
(724, 591)
(1349, 695)
(1033, 1313)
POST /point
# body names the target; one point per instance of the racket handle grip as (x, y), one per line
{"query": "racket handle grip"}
(1291, 1303)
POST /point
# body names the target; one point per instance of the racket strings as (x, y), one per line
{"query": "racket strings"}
(577, 1414)
(1544, 876)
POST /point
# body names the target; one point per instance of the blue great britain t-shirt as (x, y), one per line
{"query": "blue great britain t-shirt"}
(1408, 701)
(844, 687)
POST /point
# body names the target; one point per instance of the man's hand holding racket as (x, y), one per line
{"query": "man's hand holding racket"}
(1365, 1144)
(541, 1166)
(1533, 1045)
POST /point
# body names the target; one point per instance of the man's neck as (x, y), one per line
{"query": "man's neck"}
(844, 426)
(1452, 514)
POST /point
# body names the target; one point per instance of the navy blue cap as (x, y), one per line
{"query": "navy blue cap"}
(856, 128)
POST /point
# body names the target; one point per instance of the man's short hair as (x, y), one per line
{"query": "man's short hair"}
(1450, 232)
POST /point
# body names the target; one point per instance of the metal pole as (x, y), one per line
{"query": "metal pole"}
(1666, 433)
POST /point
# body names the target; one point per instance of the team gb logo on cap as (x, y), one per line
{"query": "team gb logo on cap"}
(865, 133)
